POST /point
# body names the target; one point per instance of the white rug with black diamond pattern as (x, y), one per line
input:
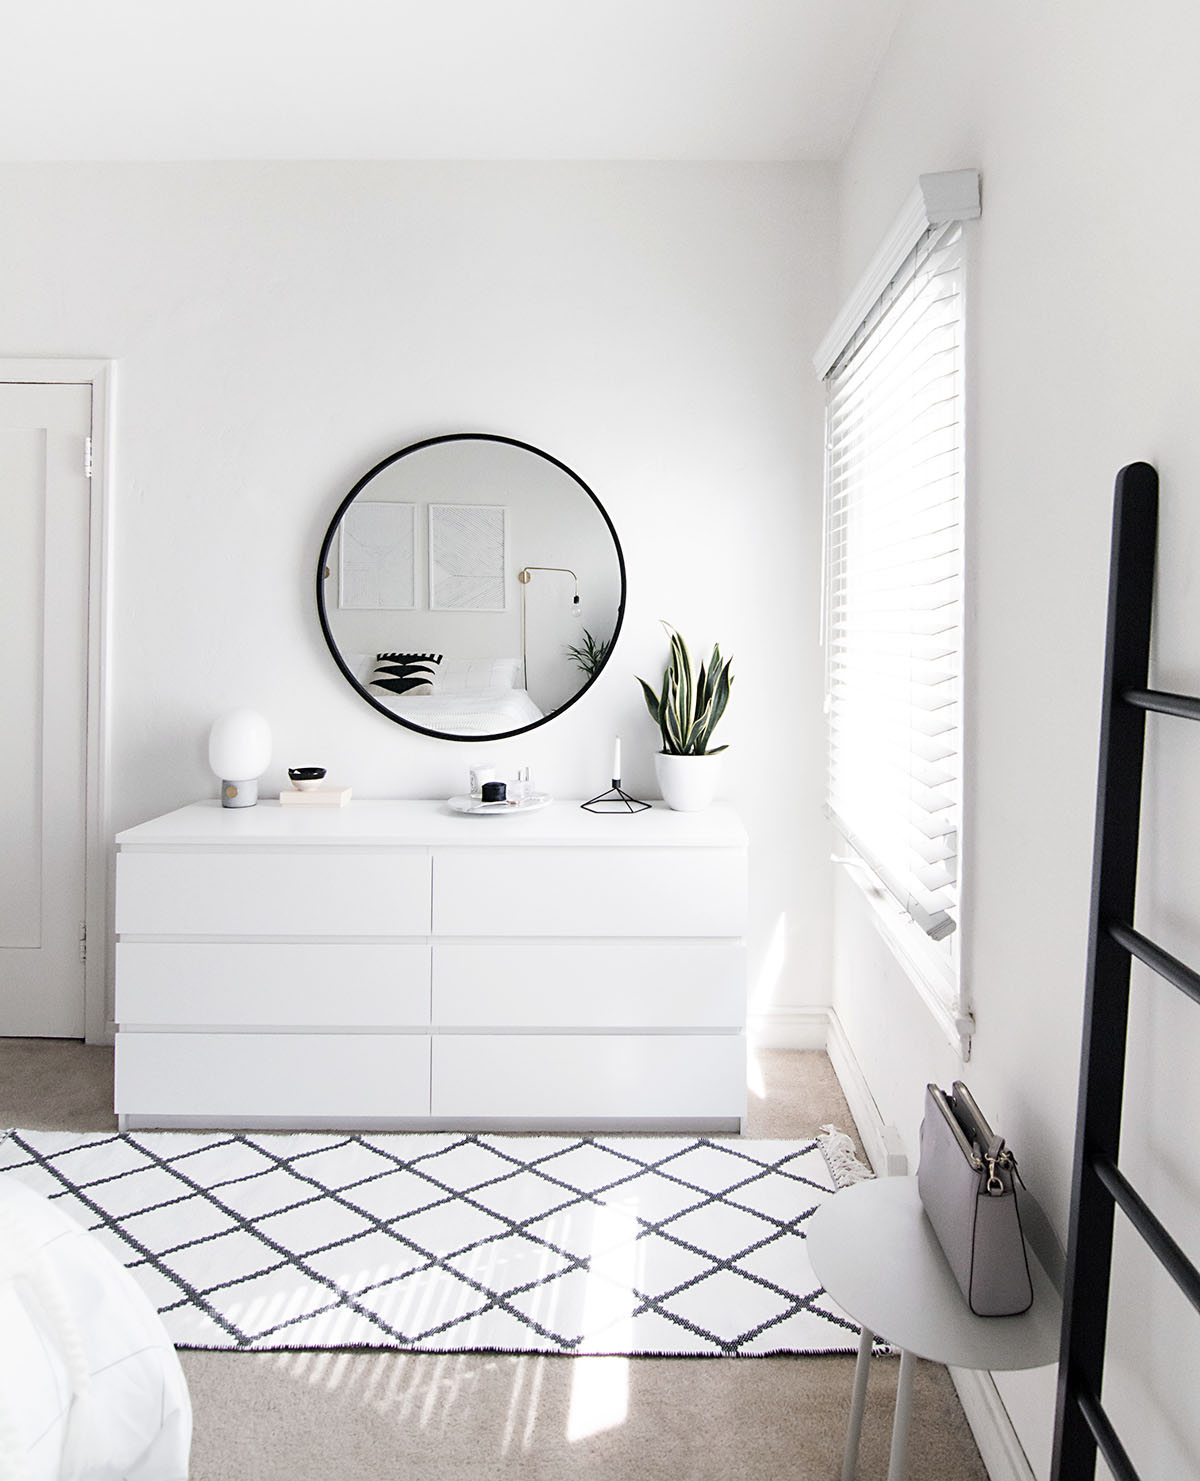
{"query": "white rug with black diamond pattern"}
(445, 1242)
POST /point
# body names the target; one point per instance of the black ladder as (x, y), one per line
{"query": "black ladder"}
(1098, 1186)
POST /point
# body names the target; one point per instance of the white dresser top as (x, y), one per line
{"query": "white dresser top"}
(365, 823)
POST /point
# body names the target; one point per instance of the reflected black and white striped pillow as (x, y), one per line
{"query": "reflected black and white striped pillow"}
(404, 673)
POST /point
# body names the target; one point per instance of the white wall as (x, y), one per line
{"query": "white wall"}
(280, 328)
(1083, 122)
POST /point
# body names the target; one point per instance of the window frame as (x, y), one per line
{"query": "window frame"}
(937, 971)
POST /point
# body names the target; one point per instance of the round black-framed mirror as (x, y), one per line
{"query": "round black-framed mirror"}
(471, 587)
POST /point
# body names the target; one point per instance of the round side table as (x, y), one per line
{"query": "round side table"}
(875, 1252)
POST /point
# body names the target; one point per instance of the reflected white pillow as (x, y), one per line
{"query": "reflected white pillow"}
(457, 675)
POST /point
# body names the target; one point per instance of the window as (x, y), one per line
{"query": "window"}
(893, 594)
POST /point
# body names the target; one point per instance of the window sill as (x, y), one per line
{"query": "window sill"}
(935, 979)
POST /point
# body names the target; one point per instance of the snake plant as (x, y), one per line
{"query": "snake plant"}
(687, 707)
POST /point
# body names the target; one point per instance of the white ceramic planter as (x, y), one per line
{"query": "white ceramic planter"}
(687, 783)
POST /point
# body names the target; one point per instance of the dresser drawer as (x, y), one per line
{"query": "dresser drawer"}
(302, 893)
(589, 892)
(589, 1077)
(301, 1076)
(589, 984)
(233, 984)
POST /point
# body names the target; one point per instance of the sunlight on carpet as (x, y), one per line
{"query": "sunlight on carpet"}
(599, 1396)
(600, 1388)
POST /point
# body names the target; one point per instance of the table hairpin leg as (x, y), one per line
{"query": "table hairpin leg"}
(898, 1464)
(858, 1403)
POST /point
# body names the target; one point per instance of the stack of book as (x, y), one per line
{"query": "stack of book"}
(315, 797)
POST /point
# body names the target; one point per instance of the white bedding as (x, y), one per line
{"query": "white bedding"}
(90, 1385)
(469, 712)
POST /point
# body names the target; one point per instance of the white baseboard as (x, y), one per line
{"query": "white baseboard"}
(882, 1144)
(789, 1028)
(1000, 1449)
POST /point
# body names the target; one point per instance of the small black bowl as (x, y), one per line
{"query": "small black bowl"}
(306, 773)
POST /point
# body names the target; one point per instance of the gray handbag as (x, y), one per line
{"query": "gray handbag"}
(967, 1179)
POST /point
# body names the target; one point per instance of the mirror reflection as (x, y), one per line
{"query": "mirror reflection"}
(470, 586)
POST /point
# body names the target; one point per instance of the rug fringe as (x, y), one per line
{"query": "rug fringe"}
(839, 1153)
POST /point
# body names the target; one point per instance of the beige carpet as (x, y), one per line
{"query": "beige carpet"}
(480, 1417)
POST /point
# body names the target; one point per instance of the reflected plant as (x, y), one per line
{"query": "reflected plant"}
(588, 655)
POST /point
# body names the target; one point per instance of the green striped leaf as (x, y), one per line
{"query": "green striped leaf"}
(690, 702)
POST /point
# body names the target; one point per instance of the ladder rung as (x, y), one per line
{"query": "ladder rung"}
(1183, 705)
(1166, 1251)
(1106, 1437)
(1171, 968)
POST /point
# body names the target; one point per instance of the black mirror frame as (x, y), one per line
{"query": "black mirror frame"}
(323, 563)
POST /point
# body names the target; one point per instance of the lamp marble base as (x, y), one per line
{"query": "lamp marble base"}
(239, 794)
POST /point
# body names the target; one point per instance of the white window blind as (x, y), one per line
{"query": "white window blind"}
(894, 583)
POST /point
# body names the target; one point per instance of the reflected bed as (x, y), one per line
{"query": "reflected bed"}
(471, 712)
(452, 696)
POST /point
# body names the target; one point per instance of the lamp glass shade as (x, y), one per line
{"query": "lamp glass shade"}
(239, 746)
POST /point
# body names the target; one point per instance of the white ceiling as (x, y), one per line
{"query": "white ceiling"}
(440, 79)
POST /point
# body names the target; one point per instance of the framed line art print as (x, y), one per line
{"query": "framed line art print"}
(468, 548)
(377, 568)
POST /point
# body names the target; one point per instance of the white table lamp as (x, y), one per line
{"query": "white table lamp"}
(239, 751)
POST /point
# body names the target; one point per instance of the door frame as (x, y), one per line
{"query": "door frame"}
(99, 375)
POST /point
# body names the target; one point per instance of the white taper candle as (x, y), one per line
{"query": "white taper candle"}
(616, 771)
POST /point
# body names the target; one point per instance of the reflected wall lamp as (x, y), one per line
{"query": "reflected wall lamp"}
(525, 576)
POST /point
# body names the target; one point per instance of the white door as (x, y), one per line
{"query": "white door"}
(44, 504)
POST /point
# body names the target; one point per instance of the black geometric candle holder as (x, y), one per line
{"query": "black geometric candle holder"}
(614, 801)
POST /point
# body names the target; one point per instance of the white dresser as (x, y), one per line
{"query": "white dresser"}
(394, 964)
